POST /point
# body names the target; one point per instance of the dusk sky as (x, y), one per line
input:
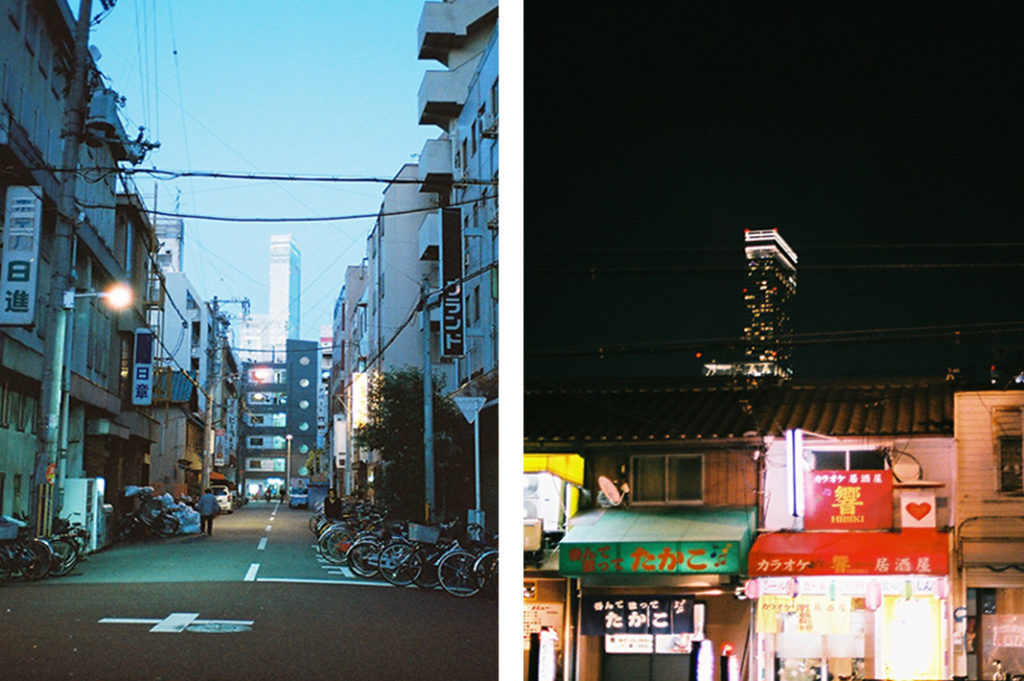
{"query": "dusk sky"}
(884, 144)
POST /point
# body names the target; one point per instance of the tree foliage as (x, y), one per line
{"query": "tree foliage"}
(394, 430)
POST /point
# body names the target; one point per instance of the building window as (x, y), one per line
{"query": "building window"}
(1007, 436)
(667, 479)
(842, 459)
(1009, 447)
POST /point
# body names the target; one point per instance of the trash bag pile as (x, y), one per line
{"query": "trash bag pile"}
(187, 516)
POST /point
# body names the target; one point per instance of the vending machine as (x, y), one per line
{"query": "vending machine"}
(83, 503)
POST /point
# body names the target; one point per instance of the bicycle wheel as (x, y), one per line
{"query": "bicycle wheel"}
(486, 569)
(455, 572)
(398, 563)
(427, 578)
(335, 543)
(65, 553)
(6, 563)
(37, 558)
(362, 557)
(166, 525)
(126, 527)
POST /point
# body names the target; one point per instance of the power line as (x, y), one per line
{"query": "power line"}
(688, 269)
(334, 218)
(804, 339)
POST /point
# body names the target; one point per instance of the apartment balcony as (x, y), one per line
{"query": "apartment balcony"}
(444, 26)
(443, 93)
(429, 237)
(435, 166)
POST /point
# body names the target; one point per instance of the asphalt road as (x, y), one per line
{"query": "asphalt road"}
(251, 602)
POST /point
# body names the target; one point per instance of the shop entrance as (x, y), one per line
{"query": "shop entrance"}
(650, 666)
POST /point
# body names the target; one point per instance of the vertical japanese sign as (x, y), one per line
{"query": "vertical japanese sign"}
(452, 323)
(142, 371)
(848, 500)
(22, 226)
(220, 438)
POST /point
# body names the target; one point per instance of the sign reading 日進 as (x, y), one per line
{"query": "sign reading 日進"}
(22, 226)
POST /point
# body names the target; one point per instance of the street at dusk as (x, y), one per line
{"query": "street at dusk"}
(249, 281)
(191, 607)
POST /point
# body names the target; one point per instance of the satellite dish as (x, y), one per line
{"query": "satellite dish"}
(610, 491)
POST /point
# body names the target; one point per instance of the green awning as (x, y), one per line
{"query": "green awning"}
(657, 541)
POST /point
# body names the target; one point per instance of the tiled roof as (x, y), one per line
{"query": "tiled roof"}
(651, 411)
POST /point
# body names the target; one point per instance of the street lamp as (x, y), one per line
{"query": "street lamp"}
(288, 466)
(118, 297)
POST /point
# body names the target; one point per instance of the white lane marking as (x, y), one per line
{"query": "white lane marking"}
(289, 580)
(263, 544)
(269, 528)
(250, 576)
(175, 623)
(128, 620)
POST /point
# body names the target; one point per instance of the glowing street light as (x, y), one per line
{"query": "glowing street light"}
(117, 297)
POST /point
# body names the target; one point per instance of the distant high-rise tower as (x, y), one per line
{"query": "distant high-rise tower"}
(170, 233)
(285, 268)
(771, 285)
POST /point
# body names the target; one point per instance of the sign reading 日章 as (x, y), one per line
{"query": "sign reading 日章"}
(22, 226)
(142, 371)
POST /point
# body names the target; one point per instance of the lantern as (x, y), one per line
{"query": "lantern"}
(873, 601)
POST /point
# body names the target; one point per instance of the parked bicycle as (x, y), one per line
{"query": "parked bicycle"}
(20, 553)
(150, 517)
(70, 543)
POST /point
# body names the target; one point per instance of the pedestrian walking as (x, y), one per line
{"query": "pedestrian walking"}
(207, 507)
(332, 506)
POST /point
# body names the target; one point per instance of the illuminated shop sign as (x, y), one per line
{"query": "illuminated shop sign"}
(618, 614)
(848, 500)
(910, 552)
(651, 557)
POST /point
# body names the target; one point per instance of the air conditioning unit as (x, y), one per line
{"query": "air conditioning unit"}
(490, 127)
(533, 534)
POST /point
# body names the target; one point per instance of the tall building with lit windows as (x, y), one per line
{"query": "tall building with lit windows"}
(262, 337)
(769, 291)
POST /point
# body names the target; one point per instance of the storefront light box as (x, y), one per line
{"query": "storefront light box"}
(653, 557)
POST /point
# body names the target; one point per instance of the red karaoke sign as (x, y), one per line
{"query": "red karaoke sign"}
(848, 500)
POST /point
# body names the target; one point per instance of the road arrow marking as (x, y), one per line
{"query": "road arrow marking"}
(177, 622)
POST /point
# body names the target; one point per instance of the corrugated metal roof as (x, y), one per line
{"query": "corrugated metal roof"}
(709, 409)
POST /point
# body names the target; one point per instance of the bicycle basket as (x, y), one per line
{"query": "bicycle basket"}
(8, 531)
(424, 533)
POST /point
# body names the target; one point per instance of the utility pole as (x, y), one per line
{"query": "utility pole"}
(428, 402)
(60, 277)
(214, 373)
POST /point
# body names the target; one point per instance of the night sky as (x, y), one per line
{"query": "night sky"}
(885, 144)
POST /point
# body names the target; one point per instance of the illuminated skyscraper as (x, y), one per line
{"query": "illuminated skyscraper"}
(771, 285)
(285, 267)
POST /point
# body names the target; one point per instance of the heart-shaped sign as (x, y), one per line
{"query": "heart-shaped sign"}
(919, 510)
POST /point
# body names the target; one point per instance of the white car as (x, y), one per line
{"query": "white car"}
(223, 495)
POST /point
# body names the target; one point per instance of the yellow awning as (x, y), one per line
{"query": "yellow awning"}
(568, 467)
